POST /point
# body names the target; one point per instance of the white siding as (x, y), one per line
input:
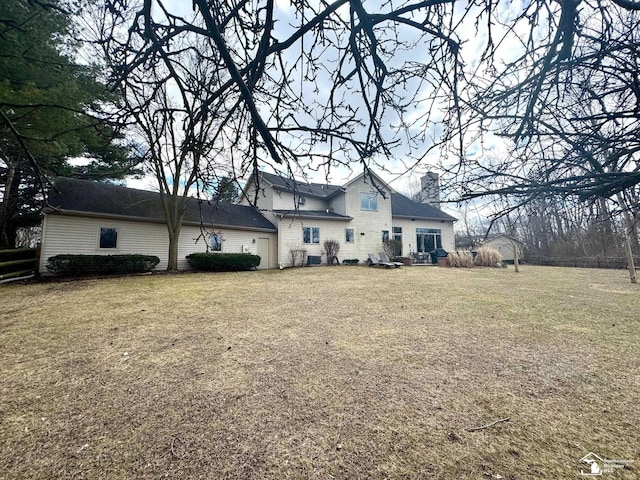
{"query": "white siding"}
(503, 245)
(68, 234)
(233, 241)
(290, 237)
(264, 201)
(285, 201)
(368, 225)
(409, 233)
(338, 204)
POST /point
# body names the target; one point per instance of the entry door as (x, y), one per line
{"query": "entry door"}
(263, 251)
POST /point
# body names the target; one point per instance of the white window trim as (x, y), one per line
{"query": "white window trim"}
(219, 235)
(311, 242)
(369, 194)
(102, 249)
(353, 235)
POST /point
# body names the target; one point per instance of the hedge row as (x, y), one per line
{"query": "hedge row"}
(79, 265)
(223, 262)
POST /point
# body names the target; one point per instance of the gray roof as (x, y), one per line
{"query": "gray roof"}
(495, 236)
(402, 206)
(312, 214)
(105, 199)
(318, 190)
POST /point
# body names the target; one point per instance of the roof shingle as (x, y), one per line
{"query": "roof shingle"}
(319, 190)
(74, 195)
(402, 206)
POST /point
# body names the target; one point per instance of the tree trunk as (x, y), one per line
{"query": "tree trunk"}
(173, 206)
(174, 237)
(609, 239)
(8, 207)
(628, 231)
(632, 199)
(515, 257)
(633, 234)
(630, 263)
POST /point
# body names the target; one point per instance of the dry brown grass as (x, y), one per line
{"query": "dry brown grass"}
(460, 259)
(487, 257)
(321, 373)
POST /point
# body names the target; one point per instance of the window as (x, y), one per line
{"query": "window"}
(397, 236)
(428, 239)
(369, 201)
(108, 237)
(310, 235)
(215, 242)
(385, 236)
(348, 235)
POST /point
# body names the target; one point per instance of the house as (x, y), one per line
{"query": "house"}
(360, 215)
(505, 245)
(85, 217)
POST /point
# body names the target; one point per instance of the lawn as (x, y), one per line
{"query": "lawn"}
(342, 372)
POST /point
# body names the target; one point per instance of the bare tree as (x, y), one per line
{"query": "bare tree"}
(336, 86)
(164, 106)
(569, 105)
(333, 88)
(315, 85)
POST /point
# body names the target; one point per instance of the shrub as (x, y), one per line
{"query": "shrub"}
(331, 249)
(351, 261)
(298, 256)
(488, 257)
(392, 248)
(223, 262)
(79, 265)
(460, 259)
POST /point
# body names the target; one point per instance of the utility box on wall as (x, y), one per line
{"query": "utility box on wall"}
(314, 260)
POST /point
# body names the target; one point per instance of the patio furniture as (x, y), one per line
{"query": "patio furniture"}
(421, 258)
(373, 261)
(385, 259)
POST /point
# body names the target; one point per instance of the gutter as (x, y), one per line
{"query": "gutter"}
(115, 216)
(414, 217)
(320, 217)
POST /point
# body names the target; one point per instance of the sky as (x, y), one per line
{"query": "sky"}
(397, 175)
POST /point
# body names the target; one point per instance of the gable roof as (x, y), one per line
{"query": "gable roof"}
(496, 236)
(401, 206)
(323, 214)
(105, 199)
(373, 179)
(404, 207)
(318, 190)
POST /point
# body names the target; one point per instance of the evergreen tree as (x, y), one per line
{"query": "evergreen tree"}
(226, 190)
(51, 110)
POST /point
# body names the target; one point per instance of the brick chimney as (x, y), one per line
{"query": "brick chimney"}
(430, 189)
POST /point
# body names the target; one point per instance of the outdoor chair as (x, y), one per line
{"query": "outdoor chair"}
(374, 262)
(385, 258)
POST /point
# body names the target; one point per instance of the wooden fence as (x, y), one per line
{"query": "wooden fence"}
(582, 262)
(17, 263)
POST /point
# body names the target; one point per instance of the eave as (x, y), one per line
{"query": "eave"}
(113, 216)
